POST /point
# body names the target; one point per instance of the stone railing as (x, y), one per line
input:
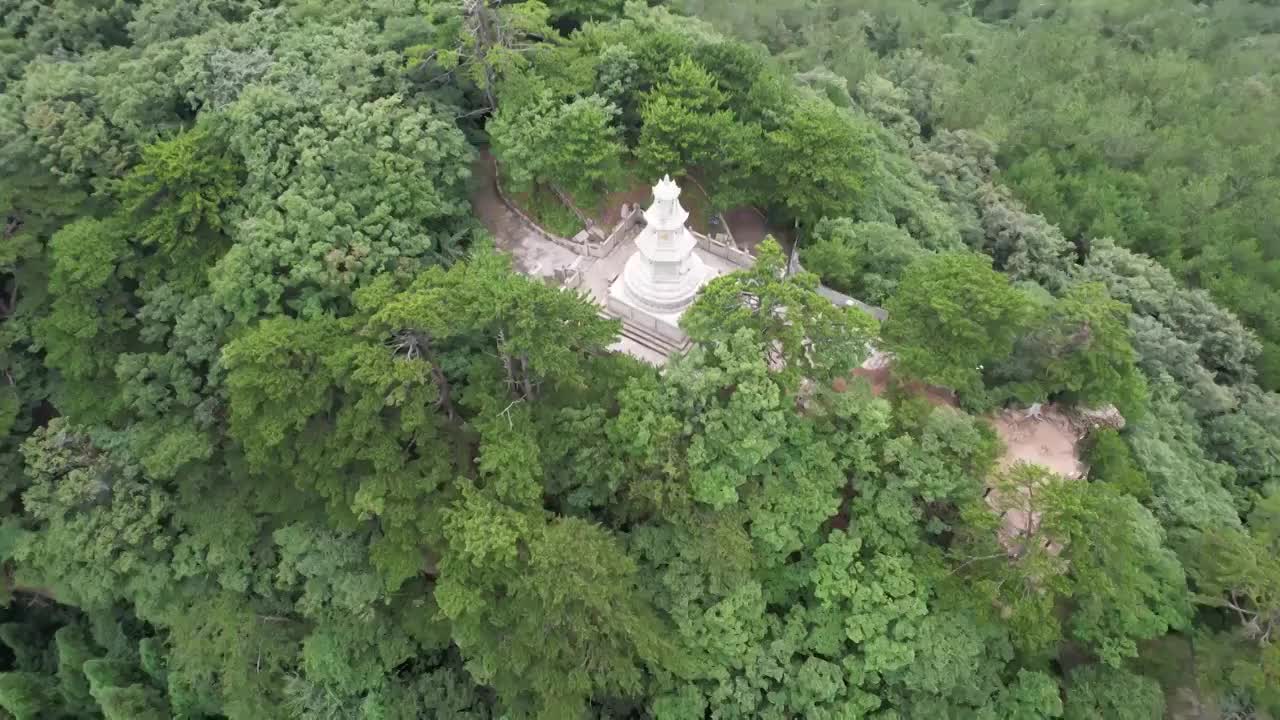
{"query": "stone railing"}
(725, 229)
(725, 250)
(839, 299)
(570, 276)
(624, 232)
(589, 243)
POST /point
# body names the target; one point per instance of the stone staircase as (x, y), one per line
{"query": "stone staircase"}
(648, 338)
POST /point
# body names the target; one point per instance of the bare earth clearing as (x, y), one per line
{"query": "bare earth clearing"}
(1048, 438)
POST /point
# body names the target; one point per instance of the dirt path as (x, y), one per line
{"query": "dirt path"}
(748, 227)
(505, 225)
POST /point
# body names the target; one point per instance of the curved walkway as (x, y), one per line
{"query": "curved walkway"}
(531, 253)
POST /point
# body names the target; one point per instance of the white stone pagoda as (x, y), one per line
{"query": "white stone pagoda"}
(664, 274)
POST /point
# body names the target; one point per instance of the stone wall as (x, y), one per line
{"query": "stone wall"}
(571, 276)
(588, 242)
(838, 298)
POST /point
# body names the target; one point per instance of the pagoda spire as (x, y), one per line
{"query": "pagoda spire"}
(666, 215)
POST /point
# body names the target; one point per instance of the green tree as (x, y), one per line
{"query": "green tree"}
(820, 162)
(74, 649)
(1247, 439)
(28, 695)
(1079, 349)
(78, 491)
(88, 321)
(382, 182)
(1013, 557)
(1129, 585)
(582, 10)
(801, 332)
(179, 192)
(1032, 696)
(114, 686)
(1111, 461)
(1088, 350)
(1237, 571)
(1095, 692)
(1069, 539)
(574, 147)
(862, 259)
(684, 125)
(529, 601)
(485, 41)
(952, 315)
(1190, 488)
(278, 440)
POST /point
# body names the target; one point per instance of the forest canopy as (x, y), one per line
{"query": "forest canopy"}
(285, 432)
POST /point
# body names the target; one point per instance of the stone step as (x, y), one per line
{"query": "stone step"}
(649, 338)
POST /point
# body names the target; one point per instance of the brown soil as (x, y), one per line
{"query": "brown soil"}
(878, 371)
(750, 227)
(1050, 440)
(610, 210)
(878, 377)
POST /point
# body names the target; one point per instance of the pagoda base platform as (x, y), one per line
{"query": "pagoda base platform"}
(663, 328)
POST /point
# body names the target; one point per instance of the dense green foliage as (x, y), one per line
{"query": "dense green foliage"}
(1151, 122)
(282, 435)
